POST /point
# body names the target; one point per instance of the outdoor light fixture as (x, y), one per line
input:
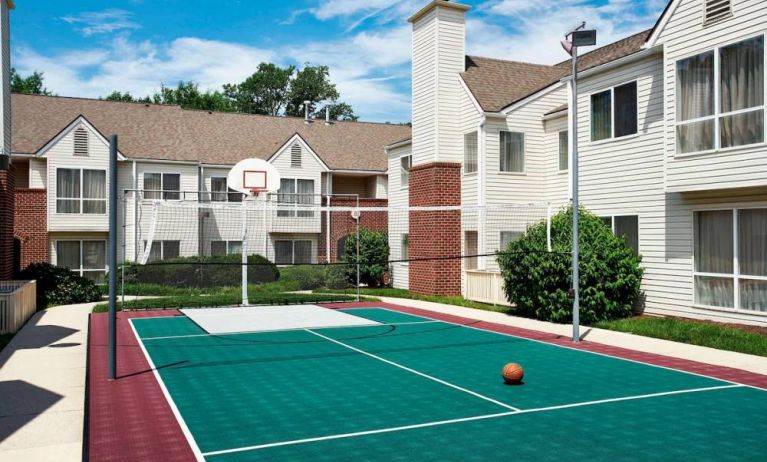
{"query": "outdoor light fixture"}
(577, 37)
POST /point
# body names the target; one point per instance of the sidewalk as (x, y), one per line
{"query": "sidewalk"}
(42, 385)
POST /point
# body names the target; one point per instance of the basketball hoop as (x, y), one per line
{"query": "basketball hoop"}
(255, 181)
(253, 176)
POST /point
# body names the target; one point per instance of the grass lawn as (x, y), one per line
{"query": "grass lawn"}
(402, 293)
(709, 334)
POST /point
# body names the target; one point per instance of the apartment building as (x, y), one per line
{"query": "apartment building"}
(169, 154)
(672, 152)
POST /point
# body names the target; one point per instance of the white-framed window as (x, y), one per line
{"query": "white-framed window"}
(512, 152)
(470, 152)
(730, 259)
(295, 191)
(88, 258)
(626, 226)
(81, 191)
(405, 162)
(405, 246)
(225, 247)
(166, 186)
(164, 250)
(507, 237)
(614, 112)
(295, 156)
(720, 98)
(220, 192)
(471, 247)
(292, 252)
(563, 151)
(80, 142)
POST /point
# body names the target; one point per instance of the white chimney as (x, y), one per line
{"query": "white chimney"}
(327, 115)
(5, 87)
(439, 55)
(306, 111)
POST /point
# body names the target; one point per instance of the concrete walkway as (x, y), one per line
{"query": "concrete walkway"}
(42, 387)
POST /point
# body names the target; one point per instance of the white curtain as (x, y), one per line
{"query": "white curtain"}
(714, 254)
(752, 258)
(286, 195)
(67, 190)
(470, 152)
(711, 291)
(68, 254)
(305, 189)
(512, 152)
(218, 189)
(742, 87)
(152, 185)
(563, 150)
(94, 191)
(695, 86)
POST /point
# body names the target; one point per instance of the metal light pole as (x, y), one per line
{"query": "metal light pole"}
(112, 257)
(575, 38)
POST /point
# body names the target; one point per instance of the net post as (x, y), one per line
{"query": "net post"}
(548, 226)
(244, 253)
(574, 131)
(112, 258)
(359, 216)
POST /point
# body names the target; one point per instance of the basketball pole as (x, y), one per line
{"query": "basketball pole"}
(112, 258)
(244, 252)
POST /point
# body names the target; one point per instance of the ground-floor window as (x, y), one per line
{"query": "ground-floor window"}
(292, 252)
(164, 250)
(85, 257)
(506, 238)
(405, 247)
(626, 226)
(730, 258)
(225, 247)
(471, 246)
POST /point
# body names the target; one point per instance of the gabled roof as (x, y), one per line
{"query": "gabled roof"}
(497, 84)
(164, 132)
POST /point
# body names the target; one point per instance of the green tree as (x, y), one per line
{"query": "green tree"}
(338, 111)
(374, 255)
(31, 84)
(126, 97)
(312, 83)
(264, 92)
(188, 96)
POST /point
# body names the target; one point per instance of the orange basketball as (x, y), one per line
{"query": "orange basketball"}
(513, 373)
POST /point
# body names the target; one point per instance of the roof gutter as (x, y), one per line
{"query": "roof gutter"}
(399, 144)
(555, 115)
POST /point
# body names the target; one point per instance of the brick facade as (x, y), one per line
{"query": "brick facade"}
(435, 234)
(342, 223)
(7, 189)
(31, 226)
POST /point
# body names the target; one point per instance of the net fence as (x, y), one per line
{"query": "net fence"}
(304, 248)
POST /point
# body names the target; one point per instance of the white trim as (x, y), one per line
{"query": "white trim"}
(80, 120)
(473, 100)
(401, 185)
(293, 139)
(405, 368)
(545, 91)
(398, 144)
(184, 428)
(662, 21)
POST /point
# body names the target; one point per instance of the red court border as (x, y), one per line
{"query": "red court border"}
(129, 419)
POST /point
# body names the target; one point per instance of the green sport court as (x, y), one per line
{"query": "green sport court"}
(418, 388)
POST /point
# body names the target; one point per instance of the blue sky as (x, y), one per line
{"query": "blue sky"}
(89, 48)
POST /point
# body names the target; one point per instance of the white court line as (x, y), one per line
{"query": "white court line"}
(198, 455)
(292, 329)
(566, 347)
(430, 377)
(465, 419)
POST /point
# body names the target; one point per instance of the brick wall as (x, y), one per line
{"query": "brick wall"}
(7, 189)
(342, 223)
(435, 234)
(31, 227)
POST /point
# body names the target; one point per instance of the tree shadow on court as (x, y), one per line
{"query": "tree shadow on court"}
(22, 402)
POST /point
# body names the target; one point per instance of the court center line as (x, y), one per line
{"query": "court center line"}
(466, 419)
(430, 377)
(292, 329)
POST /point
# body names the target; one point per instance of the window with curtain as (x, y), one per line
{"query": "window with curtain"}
(292, 252)
(470, 152)
(739, 118)
(713, 254)
(295, 191)
(601, 115)
(512, 152)
(471, 246)
(86, 258)
(405, 164)
(67, 190)
(218, 189)
(628, 227)
(614, 112)
(95, 191)
(506, 238)
(68, 254)
(165, 186)
(563, 150)
(752, 259)
(164, 250)
(305, 189)
(405, 247)
(152, 185)
(81, 191)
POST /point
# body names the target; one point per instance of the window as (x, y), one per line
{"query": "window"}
(405, 162)
(731, 259)
(165, 186)
(563, 150)
(164, 250)
(405, 247)
(292, 252)
(506, 238)
(219, 192)
(295, 156)
(720, 98)
(81, 142)
(716, 10)
(512, 152)
(626, 226)
(471, 246)
(86, 258)
(298, 192)
(614, 112)
(225, 247)
(470, 152)
(81, 191)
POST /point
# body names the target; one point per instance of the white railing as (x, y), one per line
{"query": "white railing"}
(485, 287)
(18, 302)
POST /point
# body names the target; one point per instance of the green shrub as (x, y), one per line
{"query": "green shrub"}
(302, 277)
(538, 282)
(336, 277)
(374, 255)
(60, 286)
(202, 272)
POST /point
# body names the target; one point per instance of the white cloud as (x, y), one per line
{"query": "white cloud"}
(101, 22)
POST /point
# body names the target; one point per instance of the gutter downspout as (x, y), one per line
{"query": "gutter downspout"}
(135, 211)
(482, 194)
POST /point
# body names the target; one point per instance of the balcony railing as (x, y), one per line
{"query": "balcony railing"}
(18, 303)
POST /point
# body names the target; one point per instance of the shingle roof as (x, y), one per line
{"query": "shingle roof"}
(497, 84)
(164, 132)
